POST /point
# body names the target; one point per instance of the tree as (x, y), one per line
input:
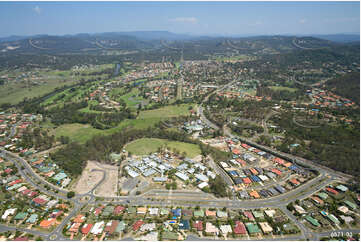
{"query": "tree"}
(70, 194)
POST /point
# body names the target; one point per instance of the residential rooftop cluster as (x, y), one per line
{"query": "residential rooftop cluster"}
(23, 205)
(334, 207)
(165, 167)
(114, 221)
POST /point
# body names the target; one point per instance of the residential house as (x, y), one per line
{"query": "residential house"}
(225, 229)
(111, 226)
(137, 225)
(97, 228)
(266, 228)
(211, 229)
(198, 225)
(239, 228)
(253, 228)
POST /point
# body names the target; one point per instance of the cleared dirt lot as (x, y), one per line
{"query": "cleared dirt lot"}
(88, 178)
(108, 187)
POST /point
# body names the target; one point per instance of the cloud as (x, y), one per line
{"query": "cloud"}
(191, 20)
(37, 9)
(302, 21)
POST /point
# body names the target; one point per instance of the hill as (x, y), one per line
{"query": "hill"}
(347, 86)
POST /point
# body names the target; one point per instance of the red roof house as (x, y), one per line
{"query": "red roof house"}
(137, 225)
(239, 228)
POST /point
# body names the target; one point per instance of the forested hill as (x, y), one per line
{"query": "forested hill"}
(347, 86)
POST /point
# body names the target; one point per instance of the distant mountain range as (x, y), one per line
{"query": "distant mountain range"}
(169, 36)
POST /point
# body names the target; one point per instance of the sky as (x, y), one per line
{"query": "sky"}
(197, 18)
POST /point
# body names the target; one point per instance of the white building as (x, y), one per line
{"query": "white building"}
(202, 185)
(10, 211)
(97, 228)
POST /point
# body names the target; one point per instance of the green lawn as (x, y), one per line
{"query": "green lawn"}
(15, 92)
(166, 112)
(83, 132)
(279, 88)
(150, 145)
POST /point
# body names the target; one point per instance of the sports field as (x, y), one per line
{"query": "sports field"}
(279, 88)
(149, 145)
(167, 111)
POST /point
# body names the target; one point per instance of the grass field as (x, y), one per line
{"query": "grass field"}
(279, 88)
(149, 145)
(166, 112)
(15, 92)
(83, 132)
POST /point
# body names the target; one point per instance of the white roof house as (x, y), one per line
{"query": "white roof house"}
(225, 229)
(270, 212)
(51, 203)
(211, 174)
(182, 176)
(202, 177)
(153, 211)
(10, 211)
(202, 185)
(210, 228)
(147, 227)
(299, 209)
(224, 165)
(200, 166)
(97, 228)
(132, 173)
(263, 177)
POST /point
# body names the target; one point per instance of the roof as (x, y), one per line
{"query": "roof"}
(266, 228)
(350, 204)
(111, 226)
(164, 211)
(120, 227)
(137, 225)
(249, 215)
(47, 223)
(184, 225)
(210, 228)
(198, 213)
(118, 209)
(225, 229)
(222, 214)
(32, 219)
(257, 214)
(252, 228)
(177, 212)
(254, 194)
(313, 221)
(270, 212)
(210, 213)
(342, 188)
(86, 228)
(198, 225)
(187, 212)
(142, 210)
(21, 216)
(331, 190)
(239, 228)
(322, 195)
(97, 228)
